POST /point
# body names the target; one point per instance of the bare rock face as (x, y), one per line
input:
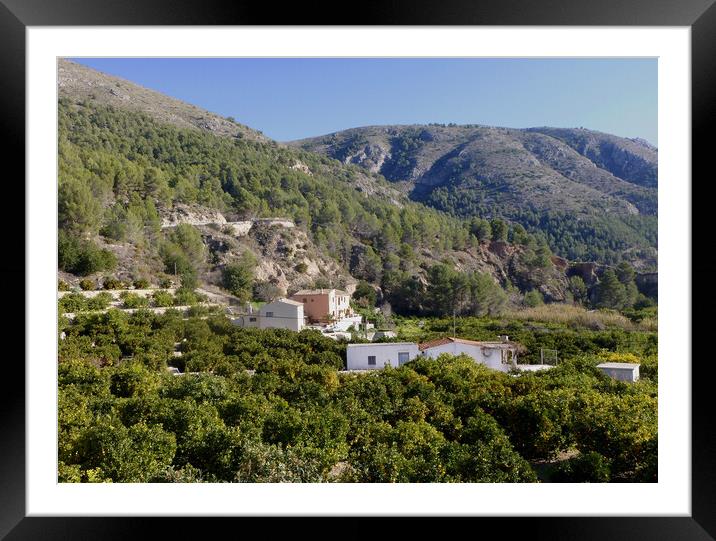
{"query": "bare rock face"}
(298, 165)
(501, 248)
(370, 157)
(193, 215)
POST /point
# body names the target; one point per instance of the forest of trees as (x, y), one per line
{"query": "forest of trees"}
(123, 418)
(117, 169)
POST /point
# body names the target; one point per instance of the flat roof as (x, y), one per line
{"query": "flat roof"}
(534, 367)
(624, 366)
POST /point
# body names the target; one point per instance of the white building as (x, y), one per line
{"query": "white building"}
(621, 371)
(376, 356)
(500, 356)
(279, 314)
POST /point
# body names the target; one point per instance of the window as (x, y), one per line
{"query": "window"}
(252, 319)
(403, 357)
(371, 360)
(269, 314)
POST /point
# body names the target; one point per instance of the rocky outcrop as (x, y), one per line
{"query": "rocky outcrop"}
(193, 215)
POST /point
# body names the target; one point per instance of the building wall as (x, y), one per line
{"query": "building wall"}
(339, 305)
(357, 355)
(321, 307)
(493, 360)
(285, 316)
(315, 307)
(621, 374)
(247, 321)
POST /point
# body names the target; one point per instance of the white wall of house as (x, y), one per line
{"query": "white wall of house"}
(490, 357)
(281, 314)
(377, 356)
(346, 323)
(274, 315)
(620, 371)
(338, 304)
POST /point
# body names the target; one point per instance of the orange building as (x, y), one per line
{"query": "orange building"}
(324, 305)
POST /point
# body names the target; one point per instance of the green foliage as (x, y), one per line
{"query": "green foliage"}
(448, 291)
(165, 283)
(141, 283)
(499, 229)
(578, 288)
(72, 302)
(100, 301)
(365, 294)
(590, 467)
(185, 297)
(82, 257)
(533, 298)
(132, 300)
(78, 209)
(238, 278)
(162, 298)
(87, 285)
(296, 419)
(62, 286)
(616, 289)
(135, 165)
(112, 283)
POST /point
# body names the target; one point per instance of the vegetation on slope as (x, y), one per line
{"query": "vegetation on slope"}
(123, 418)
(592, 195)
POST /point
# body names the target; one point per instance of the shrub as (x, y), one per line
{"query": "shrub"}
(184, 297)
(132, 300)
(87, 285)
(533, 298)
(82, 257)
(74, 302)
(301, 267)
(162, 298)
(588, 467)
(112, 283)
(141, 283)
(99, 301)
(63, 286)
(238, 279)
(166, 283)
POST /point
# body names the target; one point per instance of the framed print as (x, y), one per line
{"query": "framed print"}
(511, 269)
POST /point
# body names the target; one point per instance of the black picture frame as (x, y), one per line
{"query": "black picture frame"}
(699, 15)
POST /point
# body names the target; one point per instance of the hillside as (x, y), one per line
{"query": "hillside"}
(128, 169)
(597, 189)
(85, 84)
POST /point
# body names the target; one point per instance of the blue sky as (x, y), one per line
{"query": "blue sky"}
(292, 98)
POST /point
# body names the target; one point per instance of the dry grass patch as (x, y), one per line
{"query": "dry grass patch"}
(568, 314)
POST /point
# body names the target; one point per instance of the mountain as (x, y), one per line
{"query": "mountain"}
(131, 159)
(85, 84)
(150, 188)
(590, 193)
